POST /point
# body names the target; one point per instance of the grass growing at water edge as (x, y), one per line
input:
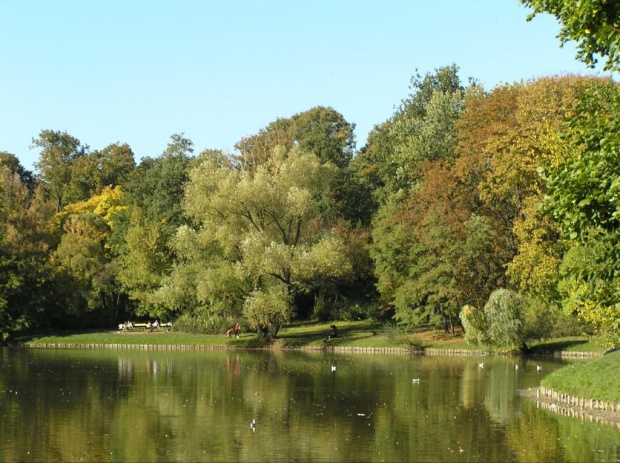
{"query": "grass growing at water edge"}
(598, 378)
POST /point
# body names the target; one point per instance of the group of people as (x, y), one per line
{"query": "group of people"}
(233, 331)
(128, 325)
(150, 327)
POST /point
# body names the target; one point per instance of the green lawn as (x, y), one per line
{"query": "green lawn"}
(568, 344)
(137, 337)
(597, 378)
(352, 334)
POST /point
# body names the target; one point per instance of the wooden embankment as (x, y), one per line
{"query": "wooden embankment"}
(592, 410)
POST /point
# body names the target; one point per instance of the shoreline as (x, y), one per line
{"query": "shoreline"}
(591, 410)
(557, 402)
(429, 351)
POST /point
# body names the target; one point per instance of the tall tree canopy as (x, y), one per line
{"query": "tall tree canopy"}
(320, 130)
(411, 239)
(583, 199)
(259, 240)
(59, 152)
(154, 196)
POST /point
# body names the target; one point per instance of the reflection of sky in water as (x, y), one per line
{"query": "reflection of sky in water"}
(125, 405)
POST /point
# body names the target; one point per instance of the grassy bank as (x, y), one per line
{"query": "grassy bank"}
(350, 334)
(597, 378)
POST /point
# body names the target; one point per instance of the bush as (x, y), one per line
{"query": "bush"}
(504, 314)
(205, 323)
(474, 324)
(395, 333)
(507, 319)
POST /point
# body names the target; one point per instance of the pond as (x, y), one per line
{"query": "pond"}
(123, 405)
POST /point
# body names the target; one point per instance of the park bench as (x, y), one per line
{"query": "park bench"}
(142, 326)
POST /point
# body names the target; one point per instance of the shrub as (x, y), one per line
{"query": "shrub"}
(204, 323)
(474, 324)
(504, 314)
(395, 333)
(508, 320)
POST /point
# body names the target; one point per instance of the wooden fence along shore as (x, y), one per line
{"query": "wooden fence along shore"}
(430, 351)
(595, 411)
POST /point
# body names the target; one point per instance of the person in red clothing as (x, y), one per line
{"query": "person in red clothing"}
(237, 329)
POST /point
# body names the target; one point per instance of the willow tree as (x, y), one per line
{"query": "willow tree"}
(258, 239)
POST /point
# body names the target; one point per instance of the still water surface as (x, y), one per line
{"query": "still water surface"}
(106, 405)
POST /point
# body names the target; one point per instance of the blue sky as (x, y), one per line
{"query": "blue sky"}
(138, 71)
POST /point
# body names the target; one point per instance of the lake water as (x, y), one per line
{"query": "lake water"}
(109, 405)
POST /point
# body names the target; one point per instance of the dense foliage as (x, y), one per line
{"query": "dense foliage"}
(496, 211)
(593, 24)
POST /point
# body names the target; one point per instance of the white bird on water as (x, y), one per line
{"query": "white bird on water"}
(333, 367)
(253, 425)
(516, 366)
(415, 380)
(481, 365)
(538, 368)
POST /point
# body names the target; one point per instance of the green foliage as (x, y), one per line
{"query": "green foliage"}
(203, 323)
(257, 241)
(438, 210)
(504, 315)
(475, 325)
(12, 164)
(397, 334)
(417, 238)
(59, 152)
(507, 320)
(592, 24)
(156, 186)
(84, 257)
(268, 309)
(583, 199)
(321, 131)
(342, 307)
(154, 196)
(583, 190)
(27, 289)
(94, 171)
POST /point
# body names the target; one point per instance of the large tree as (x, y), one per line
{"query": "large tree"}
(143, 233)
(583, 200)
(259, 239)
(109, 167)
(84, 258)
(412, 237)
(59, 152)
(27, 295)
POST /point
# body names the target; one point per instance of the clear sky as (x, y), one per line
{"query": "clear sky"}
(138, 71)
